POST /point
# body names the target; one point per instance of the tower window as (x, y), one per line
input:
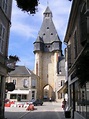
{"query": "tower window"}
(47, 46)
(47, 27)
(47, 15)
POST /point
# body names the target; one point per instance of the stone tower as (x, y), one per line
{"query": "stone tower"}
(47, 49)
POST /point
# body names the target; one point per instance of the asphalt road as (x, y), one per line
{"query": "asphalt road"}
(49, 110)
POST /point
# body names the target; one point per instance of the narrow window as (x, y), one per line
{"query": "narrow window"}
(2, 36)
(75, 44)
(14, 81)
(25, 83)
(33, 94)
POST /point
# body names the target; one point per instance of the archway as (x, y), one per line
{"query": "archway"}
(48, 93)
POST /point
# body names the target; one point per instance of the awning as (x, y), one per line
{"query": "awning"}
(64, 88)
(19, 92)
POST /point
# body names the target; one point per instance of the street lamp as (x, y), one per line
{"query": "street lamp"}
(60, 71)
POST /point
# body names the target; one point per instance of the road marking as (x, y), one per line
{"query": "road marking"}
(24, 115)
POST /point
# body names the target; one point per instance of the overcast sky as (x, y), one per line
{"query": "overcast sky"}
(25, 27)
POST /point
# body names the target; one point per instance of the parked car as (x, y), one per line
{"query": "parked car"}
(31, 101)
(38, 102)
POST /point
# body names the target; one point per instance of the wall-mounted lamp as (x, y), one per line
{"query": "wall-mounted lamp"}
(60, 71)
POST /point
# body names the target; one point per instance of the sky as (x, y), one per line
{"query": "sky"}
(25, 27)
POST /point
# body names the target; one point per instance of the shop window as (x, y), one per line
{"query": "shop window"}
(24, 96)
(13, 96)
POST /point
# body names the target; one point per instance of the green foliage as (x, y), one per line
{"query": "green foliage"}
(27, 5)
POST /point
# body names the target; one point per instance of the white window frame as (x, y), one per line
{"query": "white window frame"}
(25, 83)
(2, 37)
(33, 83)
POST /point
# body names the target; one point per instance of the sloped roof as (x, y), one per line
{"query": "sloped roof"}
(47, 10)
(48, 31)
(21, 71)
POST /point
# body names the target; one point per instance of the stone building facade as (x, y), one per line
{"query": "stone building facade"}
(5, 18)
(48, 51)
(77, 39)
(26, 84)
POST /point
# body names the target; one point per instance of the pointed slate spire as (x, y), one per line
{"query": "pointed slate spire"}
(48, 37)
(47, 12)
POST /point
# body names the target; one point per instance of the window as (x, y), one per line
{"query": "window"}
(2, 36)
(62, 82)
(69, 56)
(24, 96)
(33, 94)
(13, 96)
(14, 81)
(47, 14)
(47, 27)
(33, 83)
(51, 33)
(75, 44)
(25, 83)
(4, 5)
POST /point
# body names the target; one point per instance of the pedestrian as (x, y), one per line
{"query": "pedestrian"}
(50, 99)
(64, 105)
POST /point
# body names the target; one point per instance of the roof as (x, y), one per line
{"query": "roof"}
(48, 32)
(47, 10)
(21, 71)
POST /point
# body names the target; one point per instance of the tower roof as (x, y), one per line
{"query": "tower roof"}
(48, 31)
(47, 10)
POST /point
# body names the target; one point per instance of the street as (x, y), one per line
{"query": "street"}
(49, 110)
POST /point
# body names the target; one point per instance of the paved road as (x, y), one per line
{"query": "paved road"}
(49, 110)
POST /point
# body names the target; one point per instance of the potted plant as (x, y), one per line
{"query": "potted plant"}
(13, 58)
(27, 5)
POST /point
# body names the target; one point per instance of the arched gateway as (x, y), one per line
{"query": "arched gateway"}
(47, 49)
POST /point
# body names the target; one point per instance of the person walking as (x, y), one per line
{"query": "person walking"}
(64, 104)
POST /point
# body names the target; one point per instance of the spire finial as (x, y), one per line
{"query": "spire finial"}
(47, 3)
